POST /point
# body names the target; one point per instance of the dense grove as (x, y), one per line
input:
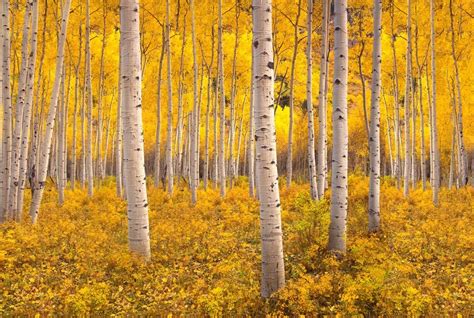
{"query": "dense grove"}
(206, 259)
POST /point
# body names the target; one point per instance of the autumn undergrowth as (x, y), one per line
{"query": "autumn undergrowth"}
(206, 258)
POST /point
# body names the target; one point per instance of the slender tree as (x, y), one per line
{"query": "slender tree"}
(322, 111)
(434, 131)
(407, 103)
(40, 181)
(157, 162)
(374, 139)
(89, 165)
(309, 104)
(221, 157)
(169, 136)
(289, 159)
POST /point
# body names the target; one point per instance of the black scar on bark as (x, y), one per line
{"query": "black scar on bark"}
(255, 44)
(271, 65)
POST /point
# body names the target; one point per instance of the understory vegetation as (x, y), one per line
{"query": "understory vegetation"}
(206, 258)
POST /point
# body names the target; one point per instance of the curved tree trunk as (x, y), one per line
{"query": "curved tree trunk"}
(374, 139)
(40, 182)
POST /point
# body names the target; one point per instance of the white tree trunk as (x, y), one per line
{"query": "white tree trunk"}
(119, 134)
(194, 180)
(89, 164)
(74, 120)
(407, 103)
(40, 182)
(5, 172)
(251, 141)
(273, 269)
(289, 159)
(221, 159)
(464, 173)
(436, 163)
(374, 139)
(322, 110)
(309, 104)
(169, 135)
(20, 106)
(134, 158)
(208, 114)
(61, 139)
(157, 162)
(30, 82)
(337, 228)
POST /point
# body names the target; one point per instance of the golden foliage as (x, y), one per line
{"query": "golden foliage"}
(206, 259)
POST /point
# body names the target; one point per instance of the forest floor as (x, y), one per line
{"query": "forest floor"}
(206, 259)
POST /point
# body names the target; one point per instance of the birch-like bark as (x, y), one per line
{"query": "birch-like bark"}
(422, 119)
(157, 162)
(74, 118)
(180, 123)
(30, 82)
(89, 165)
(40, 182)
(396, 128)
(194, 179)
(169, 135)
(119, 134)
(374, 139)
(309, 104)
(232, 99)
(289, 159)
(62, 118)
(5, 172)
(134, 157)
(251, 141)
(436, 163)
(20, 106)
(464, 176)
(339, 192)
(322, 110)
(221, 159)
(208, 114)
(100, 107)
(407, 103)
(273, 269)
(107, 138)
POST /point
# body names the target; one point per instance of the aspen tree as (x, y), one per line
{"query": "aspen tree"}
(180, 123)
(322, 111)
(208, 113)
(30, 82)
(273, 269)
(233, 97)
(289, 159)
(40, 182)
(221, 159)
(100, 107)
(374, 139)
(107, 137)
(61, 138)
(251, 141)
(169, 136)
(464, 176)
(434, 131)
(309, 104)
(5, 172)
(396, 128)
(194, 156)
(74, 118)
(119, 134)
(407, 101)
(20, 106)
(339, 192)
(89, 166)
(134, 158)
(157, 162)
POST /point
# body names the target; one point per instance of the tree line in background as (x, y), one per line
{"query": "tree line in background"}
(221, 124)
